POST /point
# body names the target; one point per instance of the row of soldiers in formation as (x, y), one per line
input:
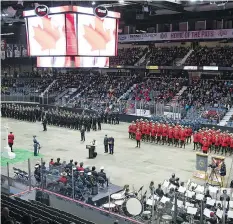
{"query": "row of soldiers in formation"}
(62, 118)
(163, 133)
(211, 140)
(207, 140)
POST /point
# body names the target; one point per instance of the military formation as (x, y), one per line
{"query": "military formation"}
(56, 117)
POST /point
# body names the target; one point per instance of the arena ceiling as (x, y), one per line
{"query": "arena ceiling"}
(133, 12)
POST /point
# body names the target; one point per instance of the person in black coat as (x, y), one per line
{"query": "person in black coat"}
(44, 122)
(106, 144)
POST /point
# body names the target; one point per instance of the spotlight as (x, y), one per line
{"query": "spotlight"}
(93, 3)
(121, 1)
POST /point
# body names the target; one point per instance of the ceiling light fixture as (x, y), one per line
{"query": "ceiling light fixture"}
(121, 1)
(93, 3)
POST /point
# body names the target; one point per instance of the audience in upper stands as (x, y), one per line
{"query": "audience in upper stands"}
(128, 56)
(204, 56)
(166, 55)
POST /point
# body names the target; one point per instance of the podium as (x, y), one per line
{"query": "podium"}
(91, 151)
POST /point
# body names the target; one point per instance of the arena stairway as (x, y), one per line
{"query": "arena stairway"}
(183, 60)
(226, 118)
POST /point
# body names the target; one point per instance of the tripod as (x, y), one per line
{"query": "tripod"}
(211, 178)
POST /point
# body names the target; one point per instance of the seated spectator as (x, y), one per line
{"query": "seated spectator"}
(80, 168)
(51, 163)
(5, 217)
(93, 171)
(63, 178)
(70, 164)
(57, 163)
(102, 174)
(27, 219)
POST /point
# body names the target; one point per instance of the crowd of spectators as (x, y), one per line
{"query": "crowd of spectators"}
(128, 56)
(105, 90)
(157, 89)
(166, 55)
(204, 56)
(212, 98)
(24, 86)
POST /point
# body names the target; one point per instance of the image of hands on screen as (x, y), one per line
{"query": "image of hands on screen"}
(96, 36)
(46, 35)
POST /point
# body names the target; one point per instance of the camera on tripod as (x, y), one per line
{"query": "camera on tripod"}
(213, 165)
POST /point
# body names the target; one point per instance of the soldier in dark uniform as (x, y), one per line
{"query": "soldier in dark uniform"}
(99, 122)
(44, 122)
(94, 123)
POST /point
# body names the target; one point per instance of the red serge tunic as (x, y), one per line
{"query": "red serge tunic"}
(138, 135)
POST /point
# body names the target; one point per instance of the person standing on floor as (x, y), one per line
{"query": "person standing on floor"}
(111, 145)
(82, 131)
(11, 139)
(138, 138)
(106, 144)
(44, 122)
(36, 146)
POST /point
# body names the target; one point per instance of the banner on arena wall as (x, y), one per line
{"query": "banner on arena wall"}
(201, 162)
(190, 67)
(210, 68)
(152, 67)
(183, 35)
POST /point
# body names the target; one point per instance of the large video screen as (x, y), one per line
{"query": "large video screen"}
(46, 35)
(73, 62)
(96, 36)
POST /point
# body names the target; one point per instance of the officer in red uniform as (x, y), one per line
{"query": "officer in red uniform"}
(11, 139)
(195, 140)
(182, 137)
(176, 136)
(224, 144)
(130, 130)
(231, 145)
(164, 133)
(170, 135)
(153, 133)
(148, 132)
(138, 138)
(133, 129)
(205, 145)
(159, 132)
(217, 143)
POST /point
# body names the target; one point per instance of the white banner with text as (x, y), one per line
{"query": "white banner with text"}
(186, 35)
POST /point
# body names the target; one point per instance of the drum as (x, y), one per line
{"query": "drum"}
(146, 215)
(118, 196)
(109, 206)
(119, 202)
(166, 218)
(132, 207)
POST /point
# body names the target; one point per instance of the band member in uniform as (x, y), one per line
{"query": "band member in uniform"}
(224, 143)
(133, 130)
(143, 131)
(148, 132)
(138, 138)
(176, 136)
(217, 144)
(11, 139)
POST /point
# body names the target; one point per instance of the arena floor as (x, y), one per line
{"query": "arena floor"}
(128, 165)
